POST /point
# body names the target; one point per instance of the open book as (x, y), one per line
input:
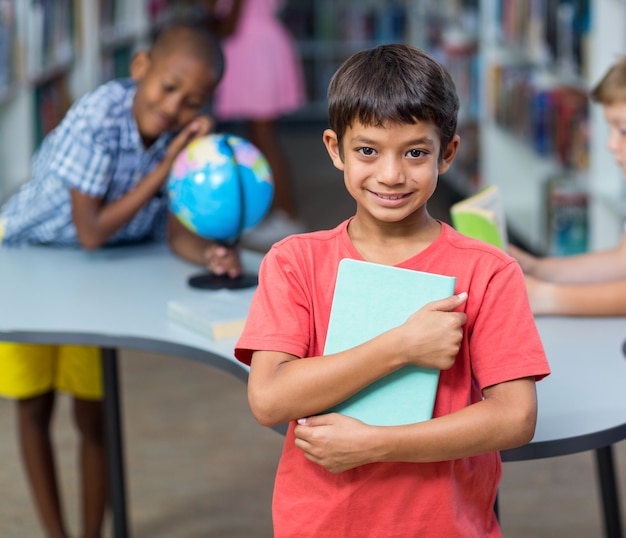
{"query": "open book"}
(482, 216)
(370, 299)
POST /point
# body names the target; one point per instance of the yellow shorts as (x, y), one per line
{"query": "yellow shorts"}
(28, 370)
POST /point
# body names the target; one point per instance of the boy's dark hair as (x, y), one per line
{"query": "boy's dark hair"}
(393, 84)
(612, 87)
(193, 38)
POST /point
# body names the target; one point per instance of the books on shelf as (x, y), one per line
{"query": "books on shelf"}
(368, 300)
(481, 216)
(217, 315)
(49, 36)
(328, 32)
(551, 117)
(553, 31)
(7, 43)
(567, 216)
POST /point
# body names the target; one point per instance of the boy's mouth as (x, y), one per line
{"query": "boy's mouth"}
(163, 121)
(390, 196)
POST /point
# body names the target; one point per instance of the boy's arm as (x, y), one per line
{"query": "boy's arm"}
(282, 387)
(600, 299)
(191, 247)
(96, 222)
(588, 268)
(504, 419)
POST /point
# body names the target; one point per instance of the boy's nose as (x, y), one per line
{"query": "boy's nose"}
(171, 106)
(391, 172)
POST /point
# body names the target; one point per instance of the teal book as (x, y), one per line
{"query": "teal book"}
(370, 299)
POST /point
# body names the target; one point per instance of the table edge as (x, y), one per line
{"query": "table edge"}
(162, 347)
(563, 447)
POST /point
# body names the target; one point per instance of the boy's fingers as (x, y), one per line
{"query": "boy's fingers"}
(447, 304)
(317, 420)
(200, 126)
(311, 421)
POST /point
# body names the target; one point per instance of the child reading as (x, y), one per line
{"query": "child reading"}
(594, 283)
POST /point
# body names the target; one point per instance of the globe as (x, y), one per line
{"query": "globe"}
(219, 186)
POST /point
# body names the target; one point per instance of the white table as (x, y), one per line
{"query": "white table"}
(582, 404)
(111, 298)
(116, 298)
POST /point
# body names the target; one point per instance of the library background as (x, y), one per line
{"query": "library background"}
(522, 69)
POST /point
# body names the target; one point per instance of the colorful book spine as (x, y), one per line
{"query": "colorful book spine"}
(552, 118)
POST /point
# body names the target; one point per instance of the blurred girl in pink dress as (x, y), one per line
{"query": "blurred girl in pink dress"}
(263, 81)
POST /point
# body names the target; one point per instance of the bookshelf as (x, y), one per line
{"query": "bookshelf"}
(327, 32)
(542, 141)
(39, 43)
(7, 38)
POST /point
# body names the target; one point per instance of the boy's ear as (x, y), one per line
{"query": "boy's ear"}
(332, 146)
(139, 65)
(449, 154)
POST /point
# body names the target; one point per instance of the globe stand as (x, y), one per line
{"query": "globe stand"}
(211, 281)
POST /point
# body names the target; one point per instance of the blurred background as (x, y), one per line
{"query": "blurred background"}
(198, 464)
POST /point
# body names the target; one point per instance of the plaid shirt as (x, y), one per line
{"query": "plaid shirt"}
(98, 151)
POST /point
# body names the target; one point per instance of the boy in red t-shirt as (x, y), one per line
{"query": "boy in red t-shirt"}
(393, 112)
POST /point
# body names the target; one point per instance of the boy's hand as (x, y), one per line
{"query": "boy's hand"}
(525, 259)
(539, 295)
(198, 127)
(221, 260)
(335, 442)
(431, 337)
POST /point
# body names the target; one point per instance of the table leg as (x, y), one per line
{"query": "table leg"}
(114, 442)
(608, 488)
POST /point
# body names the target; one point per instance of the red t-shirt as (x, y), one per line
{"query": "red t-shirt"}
(290, 313)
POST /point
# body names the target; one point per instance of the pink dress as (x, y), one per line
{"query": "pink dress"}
(263, 77)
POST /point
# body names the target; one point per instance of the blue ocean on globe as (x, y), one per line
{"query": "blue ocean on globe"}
(219, 186)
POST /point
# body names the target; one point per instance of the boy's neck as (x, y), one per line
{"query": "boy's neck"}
(392, 243)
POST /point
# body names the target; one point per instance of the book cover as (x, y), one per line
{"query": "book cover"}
(370, 299)
(482, 217)
(218, 315)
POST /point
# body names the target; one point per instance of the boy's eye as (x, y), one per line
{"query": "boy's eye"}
(168, 87)
(415, 153)
(618, 130)
(367, 151)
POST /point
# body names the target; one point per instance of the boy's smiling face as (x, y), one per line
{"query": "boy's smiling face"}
(171, 90)
(391, 171)
(615, 116)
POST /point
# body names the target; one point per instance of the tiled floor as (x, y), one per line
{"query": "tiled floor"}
(199, 466)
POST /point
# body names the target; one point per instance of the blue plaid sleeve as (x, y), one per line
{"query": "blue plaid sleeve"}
(81, 158)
